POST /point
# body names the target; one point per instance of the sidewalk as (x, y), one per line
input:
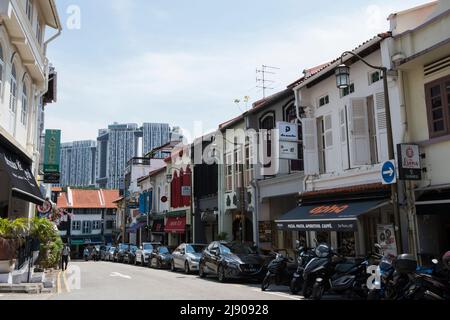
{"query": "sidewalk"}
(47, 285)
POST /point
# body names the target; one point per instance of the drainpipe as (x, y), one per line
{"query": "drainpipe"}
(255, 187)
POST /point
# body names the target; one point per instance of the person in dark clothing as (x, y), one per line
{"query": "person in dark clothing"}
(65, 257)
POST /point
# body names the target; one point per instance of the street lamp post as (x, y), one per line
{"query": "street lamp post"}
(343, 81)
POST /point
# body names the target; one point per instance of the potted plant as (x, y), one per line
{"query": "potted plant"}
(12, 235)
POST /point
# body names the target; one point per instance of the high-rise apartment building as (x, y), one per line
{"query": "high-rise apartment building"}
(78, 163)
(154, 135)
(115, 146)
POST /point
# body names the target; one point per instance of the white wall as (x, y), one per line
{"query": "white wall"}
(337, 154)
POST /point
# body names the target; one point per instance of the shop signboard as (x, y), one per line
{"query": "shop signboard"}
(409, 165)
(386, 239)
(52, 151)
(288, 131)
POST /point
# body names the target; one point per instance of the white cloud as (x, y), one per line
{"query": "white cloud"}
(183, 87)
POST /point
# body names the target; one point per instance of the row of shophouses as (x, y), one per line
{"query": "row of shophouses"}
(332, 190)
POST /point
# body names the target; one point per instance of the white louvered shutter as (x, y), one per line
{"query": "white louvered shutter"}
(343, 138)
(359, 133)
(381, 123)
(330, 156)
(311, 150)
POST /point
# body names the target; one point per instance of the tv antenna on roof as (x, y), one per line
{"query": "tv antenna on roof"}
(265, 70)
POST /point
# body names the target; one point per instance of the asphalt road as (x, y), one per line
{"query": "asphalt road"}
(114, 281)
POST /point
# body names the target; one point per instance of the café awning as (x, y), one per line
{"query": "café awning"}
(340, 216)
(22, 183)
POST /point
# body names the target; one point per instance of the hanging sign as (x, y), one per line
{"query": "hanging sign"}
(409, 165)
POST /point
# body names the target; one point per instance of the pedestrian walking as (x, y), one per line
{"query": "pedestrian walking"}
(65, 257)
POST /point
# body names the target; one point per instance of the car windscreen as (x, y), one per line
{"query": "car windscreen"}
(123, 247)
(163, 250)
(237, 248)
(195, 248)
(134, 248)
(148, 247)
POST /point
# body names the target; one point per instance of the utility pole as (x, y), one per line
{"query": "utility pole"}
(263, 79)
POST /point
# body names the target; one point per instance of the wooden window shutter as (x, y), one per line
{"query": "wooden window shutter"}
(359, 133)
(381, 123)
(310, 144)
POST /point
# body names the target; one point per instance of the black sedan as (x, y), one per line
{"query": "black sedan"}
(232, 261)
(119, 253)
(160, 258)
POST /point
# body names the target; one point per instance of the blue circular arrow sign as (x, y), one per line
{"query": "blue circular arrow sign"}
(388, 172)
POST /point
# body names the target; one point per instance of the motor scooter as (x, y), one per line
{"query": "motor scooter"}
(280, 271)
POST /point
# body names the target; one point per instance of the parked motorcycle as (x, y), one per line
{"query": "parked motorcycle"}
(431, 284)
(303, 258)
(279, 272)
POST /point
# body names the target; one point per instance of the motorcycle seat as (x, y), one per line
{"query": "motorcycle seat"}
(344, 267)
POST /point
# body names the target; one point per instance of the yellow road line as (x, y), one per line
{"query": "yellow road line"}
(65, 283)
(58, 282)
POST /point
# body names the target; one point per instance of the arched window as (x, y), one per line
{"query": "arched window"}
(29, 10)
(290, 115)
(267, 123)
(13, 90)
(24, 114)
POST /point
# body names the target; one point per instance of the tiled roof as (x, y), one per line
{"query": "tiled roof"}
(88, 199)
(316, 70)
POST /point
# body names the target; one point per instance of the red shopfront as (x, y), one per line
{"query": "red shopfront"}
(176, 229)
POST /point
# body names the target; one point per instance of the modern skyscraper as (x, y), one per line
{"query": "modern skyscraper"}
(115, 146)
(154, 135)
(78, 164)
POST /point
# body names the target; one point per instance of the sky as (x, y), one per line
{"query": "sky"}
(185, 62)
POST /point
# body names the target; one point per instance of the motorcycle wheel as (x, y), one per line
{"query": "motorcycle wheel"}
(265, 284)
(317, 292)
(307, 290)
(295, 286)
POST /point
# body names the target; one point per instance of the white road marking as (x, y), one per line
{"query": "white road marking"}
(117, 274)
(279, 294)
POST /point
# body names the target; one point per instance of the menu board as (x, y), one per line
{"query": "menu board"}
(265, 231)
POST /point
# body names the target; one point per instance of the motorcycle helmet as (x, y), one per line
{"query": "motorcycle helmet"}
(446, 260)
(322, 251)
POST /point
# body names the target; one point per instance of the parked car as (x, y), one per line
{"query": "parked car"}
(187, 257)
(130, 255)
(144, 252)
(120, 251)
(232, 261)
(160, 258)
(109, 256)
(103, 251)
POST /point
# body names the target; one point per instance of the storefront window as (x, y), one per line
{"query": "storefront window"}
(323, 237)
(346, 244)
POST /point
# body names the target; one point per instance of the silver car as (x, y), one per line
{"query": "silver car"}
(144, 252)
(109, 255)
(187, 257)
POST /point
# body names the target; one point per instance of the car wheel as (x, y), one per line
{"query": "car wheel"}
(187, 270)
(221, 274)
(201, 271)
